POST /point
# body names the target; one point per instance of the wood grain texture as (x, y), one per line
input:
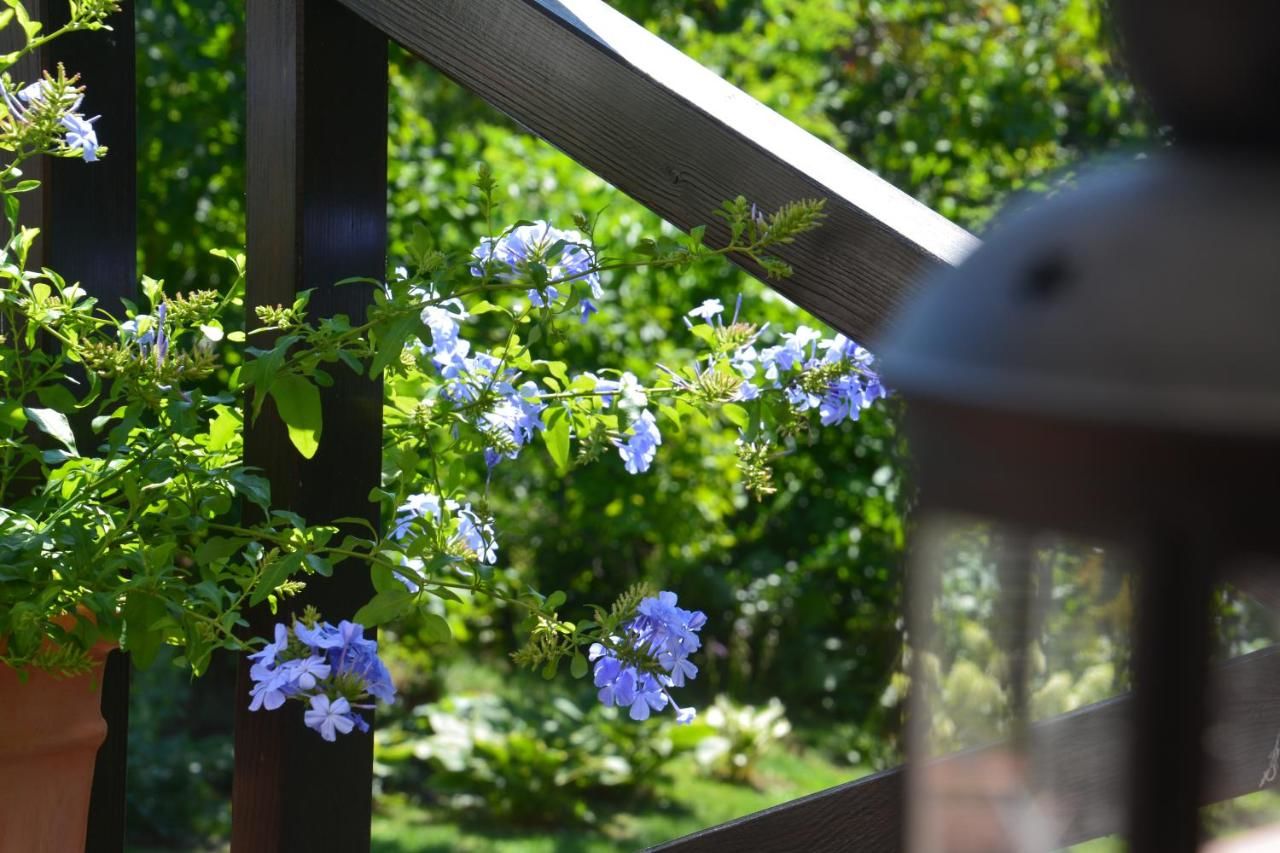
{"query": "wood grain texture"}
(680, 140)
(87, 216)
(316, 207)
(1089, 749)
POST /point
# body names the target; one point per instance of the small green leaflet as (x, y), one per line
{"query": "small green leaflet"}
(384, 606)
(276, 574)
(556, 436)
(737, 414)
(53, 423)
(298, 402)
(436, 628)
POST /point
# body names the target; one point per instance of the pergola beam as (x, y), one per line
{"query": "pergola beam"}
(677, 138)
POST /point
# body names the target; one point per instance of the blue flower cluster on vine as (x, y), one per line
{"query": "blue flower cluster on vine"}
(638, 669)
(333, 669)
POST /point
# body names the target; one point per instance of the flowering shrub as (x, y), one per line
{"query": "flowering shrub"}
(525, 760)
(129, 500)
(741, 735)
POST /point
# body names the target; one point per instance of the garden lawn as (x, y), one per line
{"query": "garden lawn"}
(691, 802)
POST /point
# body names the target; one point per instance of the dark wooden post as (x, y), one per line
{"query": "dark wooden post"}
(317, 88)
(86, 214)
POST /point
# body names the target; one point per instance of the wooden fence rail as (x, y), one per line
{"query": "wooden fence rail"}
(680, 140)
(1089, 748)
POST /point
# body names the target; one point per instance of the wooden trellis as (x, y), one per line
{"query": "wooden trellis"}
(661, 128)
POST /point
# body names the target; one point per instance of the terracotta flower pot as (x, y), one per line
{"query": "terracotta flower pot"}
(50, 731)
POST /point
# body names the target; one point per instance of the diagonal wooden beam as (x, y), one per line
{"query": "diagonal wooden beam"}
(1088, 750)
(680, 140)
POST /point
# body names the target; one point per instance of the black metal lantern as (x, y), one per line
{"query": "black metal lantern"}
(1094, 411)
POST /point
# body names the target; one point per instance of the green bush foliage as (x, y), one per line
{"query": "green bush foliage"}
(544, 763)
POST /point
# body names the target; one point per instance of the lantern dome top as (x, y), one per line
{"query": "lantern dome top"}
(1206, 67)
(1148, 295)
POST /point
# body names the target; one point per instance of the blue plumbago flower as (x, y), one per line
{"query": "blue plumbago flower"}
(518, 416)
(638, 669)
(641, 443)
(467, 378)
(472, 532)
(710, 309)
(443, 320)
(78, 131)
(329, 718)
(162, 336)
(140, 330)
(80, 134)
(626, 389)
(416, 507)
(333, 668)
(781, 367)
(417, 565)
(564, 255)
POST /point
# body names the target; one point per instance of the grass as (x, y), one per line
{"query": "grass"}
(691, 803)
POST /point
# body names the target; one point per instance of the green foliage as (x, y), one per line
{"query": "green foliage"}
(191, 106)
(546, 764)
(180, 764)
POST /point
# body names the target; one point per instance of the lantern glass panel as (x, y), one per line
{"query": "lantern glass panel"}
(1018, 640)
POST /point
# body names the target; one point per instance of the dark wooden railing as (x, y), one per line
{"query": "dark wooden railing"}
(659, 127)
(316, 213)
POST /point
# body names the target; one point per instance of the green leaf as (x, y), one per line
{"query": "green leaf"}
(319, 565)
(672, 415)
(384, 606)
(276, 574)
(737, 414)
(554, 600)
(223, 428)
(578, 667)
(142, 639)
(56, 397)
(298, 402)
(705, 333)
(53, 423)
(436, 628)
(556, 437)
(384, 578)
(11, 415)
(391, 342)
(484, 307)
(217, 548)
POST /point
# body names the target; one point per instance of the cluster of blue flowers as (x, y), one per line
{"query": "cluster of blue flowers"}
(335, 670)
(638, 669)
(78, 131)
(855, 387)
(563, 256)
(849, 382)
(470, 532)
